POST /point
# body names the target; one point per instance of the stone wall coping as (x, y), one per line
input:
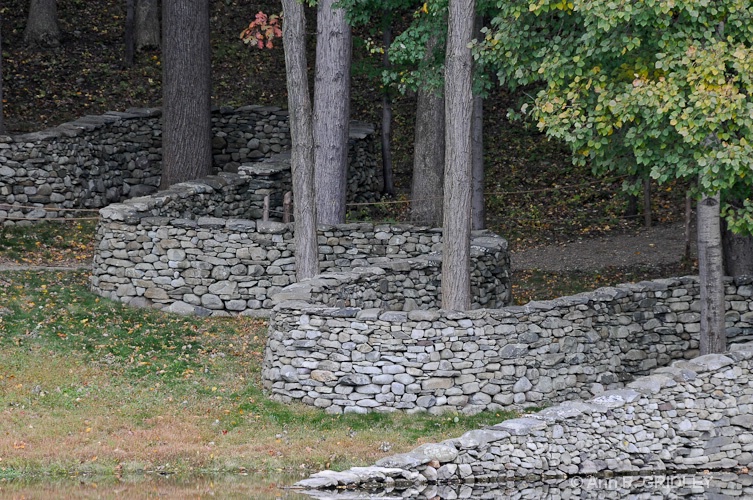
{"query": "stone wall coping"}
(605, 294)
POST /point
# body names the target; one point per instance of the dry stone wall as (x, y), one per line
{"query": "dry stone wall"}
(198, 248)
(97, 160)
(695, 415)
(343, 357)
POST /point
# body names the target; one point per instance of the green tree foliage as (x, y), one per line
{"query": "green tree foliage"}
(657, 87)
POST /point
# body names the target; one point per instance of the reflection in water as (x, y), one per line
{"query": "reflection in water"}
(256, 486)
(687, 486)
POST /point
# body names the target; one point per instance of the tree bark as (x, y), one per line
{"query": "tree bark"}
(42, 24)
(478, 209)
(302, 138)
(456, 289)
(2, 119)
(147, 34)
(738, 253)
(428, 159)
(647, 203)
(427, 187)
(478, 212)
(388, 184)
(186, 90)
(129, 41)
(331, 112)
(713, 337)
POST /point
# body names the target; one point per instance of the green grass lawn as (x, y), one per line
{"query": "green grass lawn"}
(90, 386)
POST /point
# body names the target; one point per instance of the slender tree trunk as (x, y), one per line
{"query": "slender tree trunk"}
(129, 43)
(302, 137)
(428, 153)
(647, 203)
(186, 88)
(478, 210)
(710, 270)
(388, 184)
(331, 112)
(2, 119)
(688, 215)
(42, 24)
(147, 24)
(456, 288)
(738, 253)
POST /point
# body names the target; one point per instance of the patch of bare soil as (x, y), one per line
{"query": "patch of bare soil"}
(659, 245)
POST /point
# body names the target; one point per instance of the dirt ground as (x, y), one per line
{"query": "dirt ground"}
(658, 245)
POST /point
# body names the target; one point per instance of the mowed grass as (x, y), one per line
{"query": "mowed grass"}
(90, 386)
(49, 242)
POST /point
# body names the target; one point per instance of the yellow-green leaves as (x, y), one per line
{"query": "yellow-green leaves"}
(663, 84)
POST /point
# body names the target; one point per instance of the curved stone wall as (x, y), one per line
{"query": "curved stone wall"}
(97, 160)
(359, 359)
(198, 248)
(695, 415)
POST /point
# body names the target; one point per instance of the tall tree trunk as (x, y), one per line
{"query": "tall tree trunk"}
(428, 153)
(388, 186)
(129, 41)
(186, 88)
(428, 159)
(331, 112)
(738, 253)
(302, 138)
(42, 24)
(713, 338)
(2, 119)
(147, 24)
(478, 210)
(456, 255)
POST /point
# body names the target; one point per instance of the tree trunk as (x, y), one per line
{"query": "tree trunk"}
(428, 159)
(713, 338)
(331, 112)
(2, 119)
(302, 138)
(147, 24)
(456, 288)
(478, 209)
(738, 253)
(428, 153)
(129, 42)
(647, 203)
(388, 184)
(478, 212)
(186, 88)
(42, 24)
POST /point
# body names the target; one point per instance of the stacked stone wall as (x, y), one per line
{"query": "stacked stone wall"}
(101, 159)
(198, 248)
(693, 416)
(346, 358)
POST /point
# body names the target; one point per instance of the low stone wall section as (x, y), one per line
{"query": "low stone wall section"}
(695, 415)
(102, 159)
(172, 251)
(353, 359)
